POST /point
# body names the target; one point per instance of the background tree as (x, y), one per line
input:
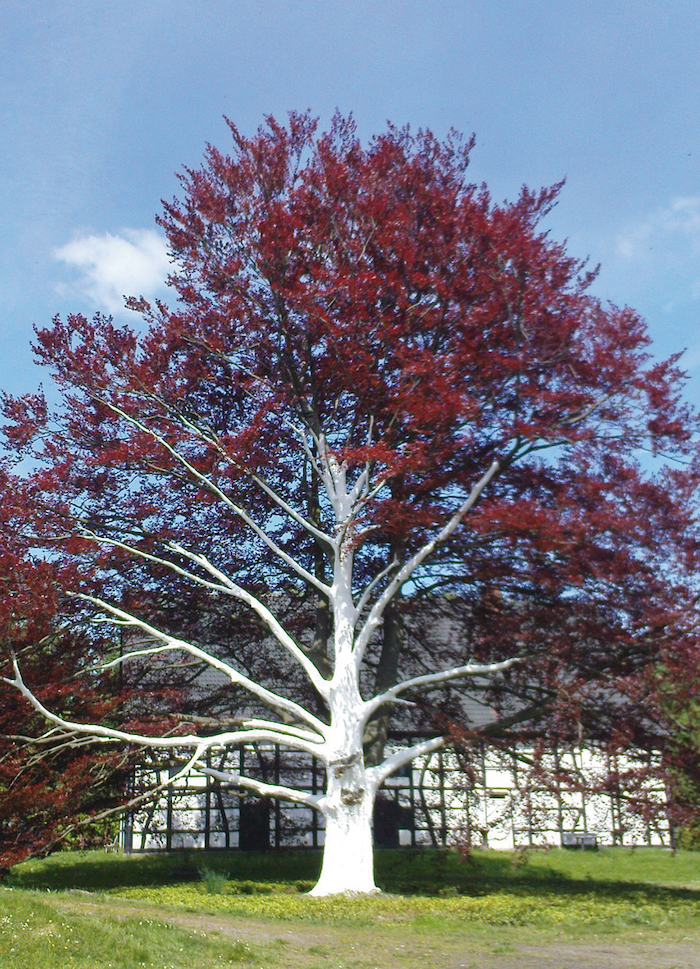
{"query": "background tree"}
(376, 385)
(49, 785)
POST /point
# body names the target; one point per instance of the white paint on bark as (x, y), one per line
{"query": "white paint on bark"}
(348, 856)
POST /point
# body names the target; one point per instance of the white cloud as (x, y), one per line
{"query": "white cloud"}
(671, 233)
(658, 260)
(132, 263)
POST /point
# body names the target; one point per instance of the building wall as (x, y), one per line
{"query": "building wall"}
(432, 802)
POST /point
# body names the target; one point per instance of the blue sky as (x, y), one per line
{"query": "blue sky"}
(102, 103)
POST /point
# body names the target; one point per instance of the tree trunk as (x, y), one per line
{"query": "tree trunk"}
(348, 805)
(348, 857)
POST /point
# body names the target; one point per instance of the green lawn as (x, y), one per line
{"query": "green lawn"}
(404, 871)
(36, 933)
(196, 909)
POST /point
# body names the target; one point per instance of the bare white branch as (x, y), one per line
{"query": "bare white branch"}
(293, 513)
(407, 570)
(333, 475)
(134, 801)
(266, 790)
(360, 487)
(373, 490)
(98, 732)
(395, 761)
(149, 557)
(259, 607)
(433, 679)
(132, 653)
(235, 738)
(172, 642)
(310, 456)
(225, 586)
(110, 735)
(214, 488)
(367, 594)
(260, 482)
(285, 729)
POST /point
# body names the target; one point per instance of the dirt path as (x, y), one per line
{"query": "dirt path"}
(317, 946)
(559, 955)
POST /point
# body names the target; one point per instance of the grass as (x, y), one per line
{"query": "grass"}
(637, 908)
(35, 934)
(404, 871)
(495, 900)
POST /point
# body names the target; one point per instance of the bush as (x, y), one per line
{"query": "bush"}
(688, 838)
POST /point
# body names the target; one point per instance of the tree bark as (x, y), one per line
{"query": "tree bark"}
(348, 805)
(348, 863)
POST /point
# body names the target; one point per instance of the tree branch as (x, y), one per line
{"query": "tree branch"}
(225, 586)
(431, 679)
(172, 642)
(266, 790)
(132, 803)
(260, 482)
(379, 774)
(110, 735)
(371, 586)
(236, 509)
(407, 570)
(273, 624)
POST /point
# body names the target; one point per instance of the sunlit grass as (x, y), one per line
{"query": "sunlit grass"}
(35, 934)
(638, 907)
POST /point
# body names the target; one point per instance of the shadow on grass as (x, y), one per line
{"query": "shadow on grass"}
(616, 874)
(99, 870)
(562, 873)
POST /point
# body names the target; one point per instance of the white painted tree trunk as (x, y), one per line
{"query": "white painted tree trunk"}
(348, 805)
(348, 862)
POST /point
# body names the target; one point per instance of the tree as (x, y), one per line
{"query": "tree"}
(44, 788)
(376, 385)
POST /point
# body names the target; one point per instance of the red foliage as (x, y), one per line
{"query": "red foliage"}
(44, 786)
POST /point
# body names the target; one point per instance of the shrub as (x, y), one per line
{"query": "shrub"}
(214, 882)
